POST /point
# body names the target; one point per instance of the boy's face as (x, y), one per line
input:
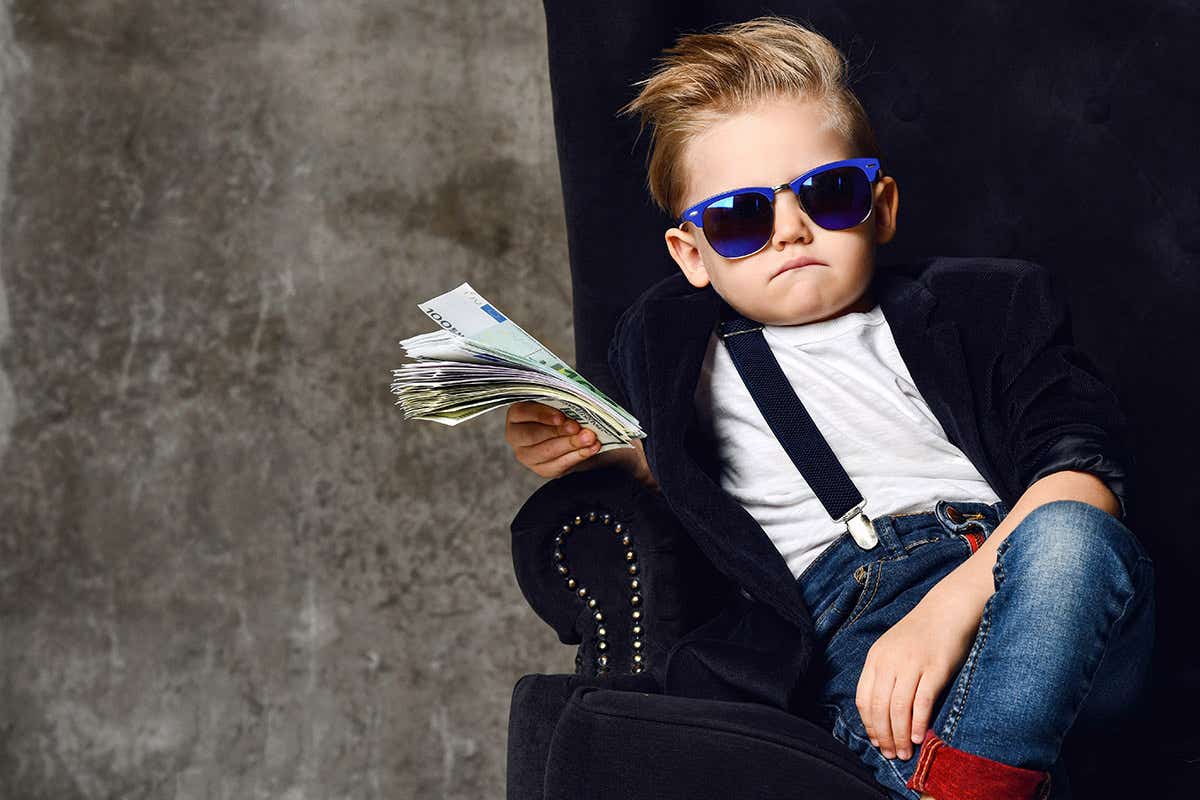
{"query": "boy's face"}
(778, 142)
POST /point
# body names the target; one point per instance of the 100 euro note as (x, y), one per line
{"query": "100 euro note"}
(481, 360)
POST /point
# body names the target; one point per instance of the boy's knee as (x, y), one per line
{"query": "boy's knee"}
(1071, 543)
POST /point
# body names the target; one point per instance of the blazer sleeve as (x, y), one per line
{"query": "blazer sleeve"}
(1059, 413)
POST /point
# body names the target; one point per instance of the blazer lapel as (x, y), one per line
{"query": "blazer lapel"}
(932, 351)
(677, 334)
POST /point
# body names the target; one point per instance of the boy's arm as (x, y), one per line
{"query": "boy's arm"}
(1059, 414)
(1066, 432)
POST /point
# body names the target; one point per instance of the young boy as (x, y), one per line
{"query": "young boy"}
(948, 647)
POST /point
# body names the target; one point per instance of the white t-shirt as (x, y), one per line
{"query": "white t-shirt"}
(851, 378)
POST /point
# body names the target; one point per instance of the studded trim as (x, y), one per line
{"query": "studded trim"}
(602, 666)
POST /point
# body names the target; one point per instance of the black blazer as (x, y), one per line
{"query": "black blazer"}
(988, 343)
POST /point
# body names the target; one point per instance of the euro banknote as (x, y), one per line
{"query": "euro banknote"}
(480, 360)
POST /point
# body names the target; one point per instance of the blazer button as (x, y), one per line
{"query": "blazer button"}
(955, 515)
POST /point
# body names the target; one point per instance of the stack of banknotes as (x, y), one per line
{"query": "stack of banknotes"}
(480, 360)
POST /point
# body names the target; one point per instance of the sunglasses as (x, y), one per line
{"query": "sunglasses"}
(741, 222)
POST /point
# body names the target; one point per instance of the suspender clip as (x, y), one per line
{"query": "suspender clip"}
(860, 527)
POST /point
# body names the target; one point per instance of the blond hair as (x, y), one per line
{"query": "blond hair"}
(705, 77)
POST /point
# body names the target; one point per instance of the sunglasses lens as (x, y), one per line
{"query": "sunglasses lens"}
(838, 198)
(739, 225)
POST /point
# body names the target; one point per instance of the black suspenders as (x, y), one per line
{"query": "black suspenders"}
(793, 427)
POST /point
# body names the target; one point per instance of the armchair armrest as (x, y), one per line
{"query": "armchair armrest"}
(605, 563)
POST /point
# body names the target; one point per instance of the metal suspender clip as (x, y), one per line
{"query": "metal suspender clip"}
(860, 527)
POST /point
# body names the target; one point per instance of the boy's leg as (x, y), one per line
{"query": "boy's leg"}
(1067, 635)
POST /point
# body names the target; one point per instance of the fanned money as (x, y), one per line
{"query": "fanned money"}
(481, 360)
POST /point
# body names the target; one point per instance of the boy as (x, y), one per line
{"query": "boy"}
(979, 397)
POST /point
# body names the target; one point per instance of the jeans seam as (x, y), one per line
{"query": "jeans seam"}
(910, 545)
(865, 603)
(1103, 652)
(960, 699)
(850, 733)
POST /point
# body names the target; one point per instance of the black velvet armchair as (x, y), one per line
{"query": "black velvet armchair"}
(1063, 135)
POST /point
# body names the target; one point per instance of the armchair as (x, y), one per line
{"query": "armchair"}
(979, 145)
(602, 560)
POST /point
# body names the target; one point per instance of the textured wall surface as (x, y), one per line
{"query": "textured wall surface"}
(228, 569)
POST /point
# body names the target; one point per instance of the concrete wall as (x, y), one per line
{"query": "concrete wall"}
(228, 568)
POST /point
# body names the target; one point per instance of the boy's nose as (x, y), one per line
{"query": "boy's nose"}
(790, 219)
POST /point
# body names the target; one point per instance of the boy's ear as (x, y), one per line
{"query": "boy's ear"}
(887, 205)
(682, 247)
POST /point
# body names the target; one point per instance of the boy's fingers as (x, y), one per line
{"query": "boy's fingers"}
(877, 707)
(525, 434)
(560, 465)
(528, 434)
(553, 448)
(902, 706)
(530, 411)
(922, 709)
(862, 696)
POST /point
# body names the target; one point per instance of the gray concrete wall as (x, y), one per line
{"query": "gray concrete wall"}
(228, 568)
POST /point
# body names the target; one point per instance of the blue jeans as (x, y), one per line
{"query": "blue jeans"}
(1065, 639)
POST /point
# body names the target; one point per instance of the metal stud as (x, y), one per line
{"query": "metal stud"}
(602, 662)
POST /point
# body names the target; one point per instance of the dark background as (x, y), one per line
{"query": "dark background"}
(227, 568)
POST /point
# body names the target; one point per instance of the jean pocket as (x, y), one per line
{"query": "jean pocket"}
(857, 597)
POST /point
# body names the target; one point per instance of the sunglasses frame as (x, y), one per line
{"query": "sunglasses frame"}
(869, 166)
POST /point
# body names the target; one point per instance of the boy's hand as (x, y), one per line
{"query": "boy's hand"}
(546, 441)
(907, 668)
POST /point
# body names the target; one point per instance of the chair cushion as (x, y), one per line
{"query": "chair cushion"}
(537, 704)
(610, 743)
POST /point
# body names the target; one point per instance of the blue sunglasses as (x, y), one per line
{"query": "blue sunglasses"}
(739, 223)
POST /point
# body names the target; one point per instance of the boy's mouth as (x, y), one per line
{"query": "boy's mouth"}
(796, 263)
